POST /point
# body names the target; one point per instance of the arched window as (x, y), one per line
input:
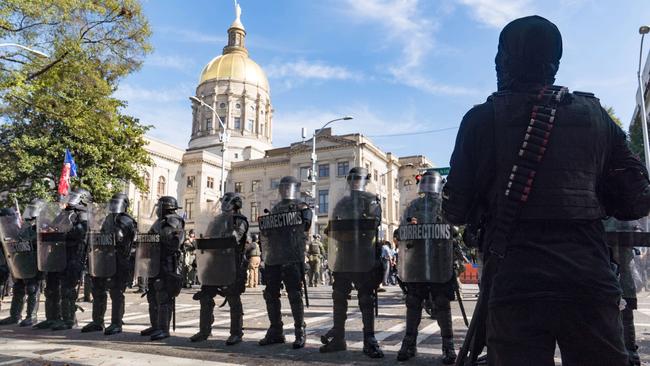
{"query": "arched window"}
(161, 186)
(407, 183)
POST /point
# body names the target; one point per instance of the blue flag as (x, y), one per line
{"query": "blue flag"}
(70, 160)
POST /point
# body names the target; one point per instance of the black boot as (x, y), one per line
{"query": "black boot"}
(68, 310)
(33, 295)
(99, 310)
(164, 318)
(448, 352)
(153, 319)
(370, 345)
(298, 312)
(117, 313)
(275, 333)
(413, 318)
(334, 339)
(629, 336)
(236, 321)
(408, 349)
(206, 318)
(15, 310)
(52, 313)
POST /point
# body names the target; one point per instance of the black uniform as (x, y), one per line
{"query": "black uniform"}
(555, 282)
(163, 288)
(290, 274)
(233, 291)
(123, 228)
(358, 205)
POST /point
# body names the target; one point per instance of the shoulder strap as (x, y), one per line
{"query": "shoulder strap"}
(530, 155)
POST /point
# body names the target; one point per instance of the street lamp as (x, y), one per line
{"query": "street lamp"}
(644, 118)
(313, 166)
(224, 137)
(24, 48)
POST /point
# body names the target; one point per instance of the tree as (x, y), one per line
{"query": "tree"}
(612, 115)
(65, 100)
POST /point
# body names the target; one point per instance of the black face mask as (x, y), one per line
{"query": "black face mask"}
(529, 53)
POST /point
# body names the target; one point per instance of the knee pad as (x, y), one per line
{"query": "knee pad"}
(271, 296)
(339, 296)
(32, 288)
(69, 293)
(206, 301)
(366, 300)
(442, 303)
(413, 301)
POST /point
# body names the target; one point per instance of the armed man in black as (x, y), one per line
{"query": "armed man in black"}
(426, 267)
(536, 168)
(354, 258)
(283, 233)
(110, 243)
(19, 242)
(61, 254)
(222, 264)
(157, 258)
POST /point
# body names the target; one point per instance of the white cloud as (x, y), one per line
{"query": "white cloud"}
(403, 23)
(134, 94)
(294, 72)
(170, 62)
(191, 36)
(497, 13)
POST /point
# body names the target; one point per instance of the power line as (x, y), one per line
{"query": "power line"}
(416, 132)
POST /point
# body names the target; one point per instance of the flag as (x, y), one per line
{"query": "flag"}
(69, 170)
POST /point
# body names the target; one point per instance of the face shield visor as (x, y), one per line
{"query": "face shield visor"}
(32, 211)
(117, 206)
(357, 182)
(431, 184)
(289, 191)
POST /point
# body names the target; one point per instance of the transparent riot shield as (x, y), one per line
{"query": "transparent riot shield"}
(426, 253)
(102, 261)
(53, 225)
(352, 245)
(147, 241)
(18, 243)
(282, 235)
(217, 253)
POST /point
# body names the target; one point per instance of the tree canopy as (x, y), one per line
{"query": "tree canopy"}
(65, 100)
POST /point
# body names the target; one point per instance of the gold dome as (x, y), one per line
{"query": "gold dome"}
(235, 66)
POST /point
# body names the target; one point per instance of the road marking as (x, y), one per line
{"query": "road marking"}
(92, 356)
(251, 315)
(383, 334)
(183, 310)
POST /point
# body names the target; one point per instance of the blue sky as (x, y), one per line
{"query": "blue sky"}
(396, 66)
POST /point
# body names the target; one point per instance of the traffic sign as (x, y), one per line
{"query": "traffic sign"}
(442, 171)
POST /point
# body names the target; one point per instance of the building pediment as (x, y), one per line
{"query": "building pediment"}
(326, 142)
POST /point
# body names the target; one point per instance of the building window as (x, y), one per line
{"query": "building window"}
(383, 179)
(323, 201)
(255, 185)
(222, 105)
(161, 186)
(408, 182)
(238, 106)
(342, 168)
(237, 123)
(239, 187)
(383, 208)
(188, 208)
(396, 210)
(253, 108)
(249, 125)
(254, 211)
(324, 170)
(304, 173)
(275, 182)
(224, 120)
(190, 181)
(396, 183)
(236, 155)
(210, 183)
(208, 124)
(375, 174)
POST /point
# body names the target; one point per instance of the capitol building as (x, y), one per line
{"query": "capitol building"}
(234, 90)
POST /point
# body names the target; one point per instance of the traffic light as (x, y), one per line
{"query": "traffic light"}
(418, 177)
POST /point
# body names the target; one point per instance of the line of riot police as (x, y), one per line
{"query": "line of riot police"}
(53, 242)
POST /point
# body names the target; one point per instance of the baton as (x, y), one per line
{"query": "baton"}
(174, 314)
(462, 307)
(304, 285)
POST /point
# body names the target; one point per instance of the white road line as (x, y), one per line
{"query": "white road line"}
(183, 310)
(11, 362)
(250, 314)
(92, 356)
(383, 334)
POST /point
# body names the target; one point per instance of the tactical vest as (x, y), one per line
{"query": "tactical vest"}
(314, 248)
(567, 180)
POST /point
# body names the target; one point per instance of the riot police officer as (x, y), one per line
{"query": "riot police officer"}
(536, 168)
(283, 233)
(164, 279)
(315, 254)
(222, 265)
(19, 242)
(354, 258)
(109, 263)
(63, 272)
(426, 267)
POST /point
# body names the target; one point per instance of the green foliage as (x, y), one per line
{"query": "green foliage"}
(65, 100)
(612, 115)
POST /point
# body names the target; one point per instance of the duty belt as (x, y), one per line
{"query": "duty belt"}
(530, 155)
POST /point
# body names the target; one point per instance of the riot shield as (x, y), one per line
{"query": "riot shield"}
(426, 253)
(282, 237)
(147, 241)
(352, 245)
(216, 253)
(20, 252)
(625, 233)
(102, 261)
(53, 224)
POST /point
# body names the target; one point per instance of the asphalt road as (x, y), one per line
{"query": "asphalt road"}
(33, 347)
